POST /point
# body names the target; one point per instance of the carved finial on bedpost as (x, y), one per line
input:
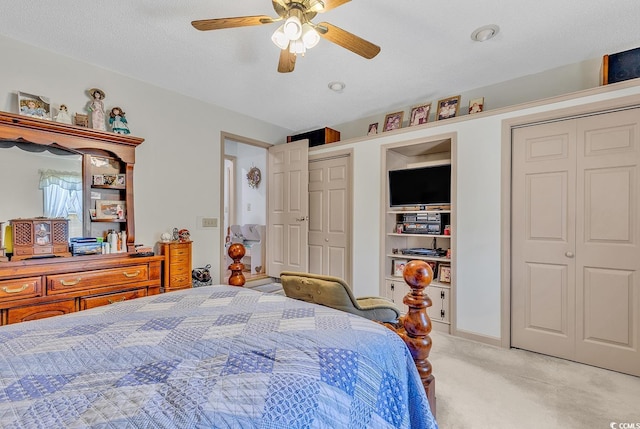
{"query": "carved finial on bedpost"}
(236, 252)
(415, 326)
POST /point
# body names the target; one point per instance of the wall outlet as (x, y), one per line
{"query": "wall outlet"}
(209, 222)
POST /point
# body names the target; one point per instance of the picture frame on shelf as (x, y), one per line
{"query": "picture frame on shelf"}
(398, 267)
(98, 179)
(434, 268)
(419, 114)
(121, 180)
(393, 121)
(373, 129)
(110, 179)
(110, 209)
(34, 106)
(476, 105)
(448, 108)
(444, 273)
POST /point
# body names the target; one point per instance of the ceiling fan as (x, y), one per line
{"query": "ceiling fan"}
(297, 33)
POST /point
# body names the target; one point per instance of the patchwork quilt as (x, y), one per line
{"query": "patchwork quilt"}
(210, 357)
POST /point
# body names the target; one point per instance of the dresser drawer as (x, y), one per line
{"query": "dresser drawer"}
(180, 260)
(112, 298)
(20, 288)
(175, 269)
(179, 250)
(63, 283)
(35, 312)
(180, 280)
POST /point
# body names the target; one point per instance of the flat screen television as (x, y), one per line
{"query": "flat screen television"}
(420, 186)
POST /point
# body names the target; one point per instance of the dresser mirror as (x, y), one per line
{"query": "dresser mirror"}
(38, 180)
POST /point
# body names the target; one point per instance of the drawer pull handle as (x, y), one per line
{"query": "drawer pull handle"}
(129, 275)
(113, 301)
(70, 283)
(18, 290)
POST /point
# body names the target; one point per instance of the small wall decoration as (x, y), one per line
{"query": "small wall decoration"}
(35, 106)
(419, 115)
(476, 105)
(373, 129)
(393, 121)
(254, 176)
(448, 108)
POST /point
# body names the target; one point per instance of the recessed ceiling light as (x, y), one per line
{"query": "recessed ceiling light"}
(485, 33)
(336, 86)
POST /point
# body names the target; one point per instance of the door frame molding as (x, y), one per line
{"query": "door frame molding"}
(224, 136)
(561, 114)
(343, 153)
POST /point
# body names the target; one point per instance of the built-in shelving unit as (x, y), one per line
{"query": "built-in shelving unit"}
(409, 231)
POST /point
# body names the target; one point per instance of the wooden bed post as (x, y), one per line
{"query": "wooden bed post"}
(236, 252)
(415, 326)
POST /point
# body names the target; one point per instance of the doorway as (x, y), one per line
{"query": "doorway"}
(244, 204)
(575, 253)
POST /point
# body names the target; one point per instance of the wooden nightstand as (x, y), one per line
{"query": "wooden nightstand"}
(177, 265)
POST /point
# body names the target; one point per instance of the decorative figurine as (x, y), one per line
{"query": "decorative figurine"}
(63, 115)
(166, 236)
(96, 107)
(175, 236)
(118, 122)
(184, 234)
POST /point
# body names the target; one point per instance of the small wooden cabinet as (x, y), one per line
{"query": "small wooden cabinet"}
(177, 264)
(40, 237)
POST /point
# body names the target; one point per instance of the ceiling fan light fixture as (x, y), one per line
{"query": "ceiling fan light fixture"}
(316, 6)
(297, 47)
(279, 38)
(310, 36)
(293, 27)
(485, 33)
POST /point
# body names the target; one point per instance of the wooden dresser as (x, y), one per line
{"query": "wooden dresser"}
(177, 264)
(35, 289)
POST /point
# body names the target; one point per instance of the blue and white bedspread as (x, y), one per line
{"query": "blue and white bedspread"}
(210, 357)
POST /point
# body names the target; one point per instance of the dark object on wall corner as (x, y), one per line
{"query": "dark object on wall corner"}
(621, 66)
(317, 137)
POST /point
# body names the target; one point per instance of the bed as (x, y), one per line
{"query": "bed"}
(210, 357)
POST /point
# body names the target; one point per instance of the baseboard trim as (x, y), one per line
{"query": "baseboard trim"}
(493, 341)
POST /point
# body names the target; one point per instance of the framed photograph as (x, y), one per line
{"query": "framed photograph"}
(476, 105)
(110, 179)
(448, 108)
(398, 267)
(35, 106)
(121, 180)
(92, 213)
(108, 209)
(444, 273)
(373, 129)
(98, 179)
(419, 114)
(434, 268)
(393, 121)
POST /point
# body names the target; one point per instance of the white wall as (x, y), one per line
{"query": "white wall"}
(177, 171)
(478, 229)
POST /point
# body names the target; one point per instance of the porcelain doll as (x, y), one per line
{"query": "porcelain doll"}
(118, 122)
(96, 107)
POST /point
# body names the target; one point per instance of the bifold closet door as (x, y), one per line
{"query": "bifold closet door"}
(575, 234)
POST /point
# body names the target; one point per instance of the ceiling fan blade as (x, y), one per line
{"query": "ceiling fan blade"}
(332, 4)
(242, 21)
(287, 61)
(347, 40)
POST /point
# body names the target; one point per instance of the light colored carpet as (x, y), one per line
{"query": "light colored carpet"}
(480, 386)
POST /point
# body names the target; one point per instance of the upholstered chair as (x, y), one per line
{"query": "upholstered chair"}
(335, 293)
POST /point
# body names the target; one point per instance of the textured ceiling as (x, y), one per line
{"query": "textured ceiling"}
(427, 52)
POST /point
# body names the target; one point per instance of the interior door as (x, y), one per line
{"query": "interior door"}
(576, 233)
(288, 208)
(329, 216)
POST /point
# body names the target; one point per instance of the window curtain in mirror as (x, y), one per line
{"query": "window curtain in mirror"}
(62, 191)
